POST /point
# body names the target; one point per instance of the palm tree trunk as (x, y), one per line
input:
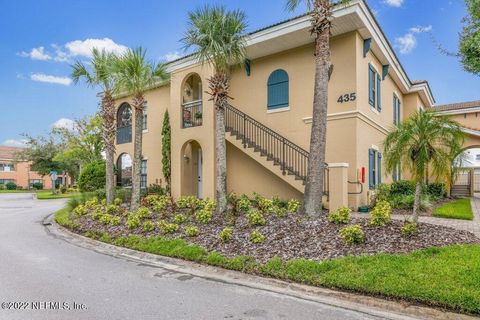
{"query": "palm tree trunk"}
(416, 204)
(221, 150)
(137, 152)
(312, 201)
(108, 117)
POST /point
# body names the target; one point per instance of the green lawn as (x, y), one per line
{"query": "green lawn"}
(16, 191)
(458, 209)
(47, 195)
(446, 277)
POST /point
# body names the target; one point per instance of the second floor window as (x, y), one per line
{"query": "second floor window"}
(374, 88)
(145, 116)
(396, 110)
(124, 124)
(7, 167)
(278, 90)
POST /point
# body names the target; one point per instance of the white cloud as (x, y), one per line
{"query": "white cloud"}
(74, 49)
(41, 77)
(64, 123)
(14, 143)
(172, 56)
(393, 3)
(406, 43)
(420, 29)
(36, 54)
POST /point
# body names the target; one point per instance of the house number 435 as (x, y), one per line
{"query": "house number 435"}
(347, 97)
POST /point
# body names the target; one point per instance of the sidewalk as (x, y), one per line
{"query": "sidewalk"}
(471, 226)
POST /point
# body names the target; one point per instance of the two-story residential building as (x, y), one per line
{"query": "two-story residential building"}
(19, 172)
(268, 126)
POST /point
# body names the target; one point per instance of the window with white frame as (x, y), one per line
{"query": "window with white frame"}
(7, 167)
(143, 174)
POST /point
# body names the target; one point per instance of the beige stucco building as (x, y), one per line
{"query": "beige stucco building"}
(268, 126)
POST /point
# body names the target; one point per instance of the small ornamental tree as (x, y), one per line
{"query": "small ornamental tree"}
(166, 151)
(92, 177)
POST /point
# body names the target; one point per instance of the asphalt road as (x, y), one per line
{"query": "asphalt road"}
(40, 271)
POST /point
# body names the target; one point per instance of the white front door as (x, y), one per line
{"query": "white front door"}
(200, 175)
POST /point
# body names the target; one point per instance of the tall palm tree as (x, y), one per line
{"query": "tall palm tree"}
(217, 36)
(99, 74)
(423, 140)
(321, 11)
(134, 75)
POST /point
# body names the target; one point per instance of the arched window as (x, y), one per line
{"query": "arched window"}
(124, 170)
(277, 90)
(124, 124)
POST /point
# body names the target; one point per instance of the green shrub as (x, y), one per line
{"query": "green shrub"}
(124, 194)
(144, 213)
(352, 234)
(11, 186)
(407, 202)
(179, 218)
(402, 187)
(148, 226)
(191, 231)
(117, 201)
(381, 214)
(265, 205)
(63, 189)
(280, 212)
(281, 203)
(226, 234)
(244, 203)
(293, 205)
(382, 193)
(161, 203)
(92, 177)
(104, 202)
(2, 186)
(112, 209)
(105, 218)
(80, 210)
(156, 189)
(101, 193)
(97, 214)
(436, 190)
(115, 220)
(340, 216)
(133, 221)
(409, 229)
(167, 227)
(207, 204)
(256, 237)
(255, 218)
(188, 202)
(37, 186)
(204, 216)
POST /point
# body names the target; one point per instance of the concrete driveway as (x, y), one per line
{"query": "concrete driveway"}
(39, 271)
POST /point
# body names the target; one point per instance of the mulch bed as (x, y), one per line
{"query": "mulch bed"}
(296, 236)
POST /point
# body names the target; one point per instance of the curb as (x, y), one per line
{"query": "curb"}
(368, 305)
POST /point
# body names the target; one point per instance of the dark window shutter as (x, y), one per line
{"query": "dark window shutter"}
(379, 168)
(278, 90)
(379, 93)
(371, 166)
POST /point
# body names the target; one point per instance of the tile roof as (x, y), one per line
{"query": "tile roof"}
(8, 152)
(457, 106)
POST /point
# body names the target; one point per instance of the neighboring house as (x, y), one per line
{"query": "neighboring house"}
(268, 127)
(19, 172)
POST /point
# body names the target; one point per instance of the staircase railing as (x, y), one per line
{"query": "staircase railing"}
(292, 159)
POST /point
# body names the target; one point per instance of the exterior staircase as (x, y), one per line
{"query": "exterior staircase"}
(461, 191)
(280, 155)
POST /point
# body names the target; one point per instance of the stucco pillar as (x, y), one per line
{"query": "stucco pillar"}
(338, 185)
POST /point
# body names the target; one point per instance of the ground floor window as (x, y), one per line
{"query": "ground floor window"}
(143, 174)
(374, 168)
(124, 170)
(35, 182)
(5, 181)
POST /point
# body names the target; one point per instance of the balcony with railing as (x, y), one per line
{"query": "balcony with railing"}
(192, 114)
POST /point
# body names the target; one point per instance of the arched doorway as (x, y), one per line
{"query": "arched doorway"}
(467, 172)
(124, 170)
(192, 101)
(192, 169)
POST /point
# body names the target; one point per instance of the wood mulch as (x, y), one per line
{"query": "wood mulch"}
(296, 236)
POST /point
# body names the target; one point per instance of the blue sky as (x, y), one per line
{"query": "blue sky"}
(40, 38)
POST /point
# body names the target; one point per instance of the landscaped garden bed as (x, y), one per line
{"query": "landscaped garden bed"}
(268, 237)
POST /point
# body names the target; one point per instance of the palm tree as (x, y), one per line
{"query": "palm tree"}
(217, 35)
(135, 75)
(321, 11)
(100, 75)
(421, 141)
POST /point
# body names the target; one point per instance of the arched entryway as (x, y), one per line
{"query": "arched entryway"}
(124, 170)
(467, 172)
(192, 169)
(192, 112)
